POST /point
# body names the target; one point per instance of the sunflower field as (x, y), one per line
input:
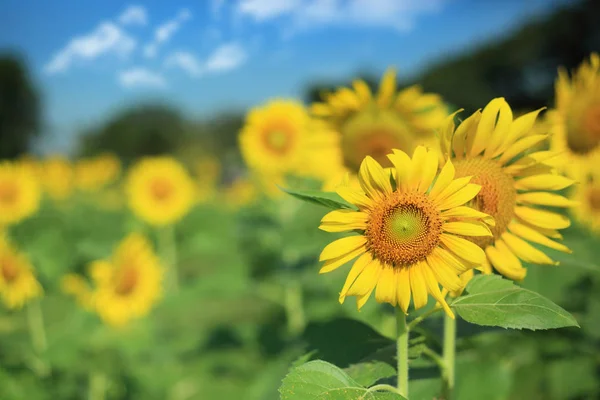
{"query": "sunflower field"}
(379, 244)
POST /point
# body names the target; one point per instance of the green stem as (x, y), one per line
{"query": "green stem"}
(422, 317)
(35, 320)
(97, 386)
(168, 250)
(402, 335)
(449, 354)
(380, 388)
(294, 308)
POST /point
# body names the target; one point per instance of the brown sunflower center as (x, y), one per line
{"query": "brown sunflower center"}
(8, 269)
(497, 196)
(8, 193)
(594, 198)
(403, 229)
(583, 133)
(161, 189)
(127, 281)
(278, 139)
(377, 143)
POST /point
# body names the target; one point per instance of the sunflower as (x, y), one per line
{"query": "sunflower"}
(17, 280)
(19, 193)
(57, 177)
(240, 192)
(491, 147)
(587, 197)
(93, 174)
(576, 117)
(373, 125)
(128, 285)
(208, 173)
(76, 286)
(281, 138)
(160, 190)
(411, 232)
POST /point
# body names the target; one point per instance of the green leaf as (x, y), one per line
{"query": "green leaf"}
(494, 301)
(368, 373)
(328, 199)
(319, 380)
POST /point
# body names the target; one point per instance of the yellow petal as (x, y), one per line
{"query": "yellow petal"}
(418, 286)
(362, 299)
(458, 265)
(387, 88)
(428, 171)
(542, 218)
(525, 251)
(386, 286)
(444, 179)
(545, 199)
(520, 146)
(534, 236)
(464, 228)
(522, 125)
(371, 179)
(496, 109)
(349, 98)
(465, 134)
(403, 289)
(451, 188)
(463, 248)
(355, 271)
(403, 166)
(469, 213)
(355, 197)
(544, 182)
(444, 273)
(501, 129)
(362, 91)
(344, 220)
(342, 247)
(320, 110)
(506, 263)
(379, 178)
(335, 263)
(366, 281)
(460, 197)
(434, 288)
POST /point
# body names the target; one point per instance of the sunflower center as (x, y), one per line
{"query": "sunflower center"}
(8, 193)
(9, 270)
(127, 281)
(161, 189)
(584, 132)
(277, 140)
(497, 197)
(403, 229)
(594, 198)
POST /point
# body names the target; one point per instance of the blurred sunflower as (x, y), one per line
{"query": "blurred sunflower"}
(411, 233)
(17, 280)
(130, 284)
(57, 177)
(587, 197)
(491, 148)
(576, 117)
(19, 193)
(280, 138)
(240, 192)
(208, 173)
(160, 191)
(93, 174)
(76, 286)
(373, 125)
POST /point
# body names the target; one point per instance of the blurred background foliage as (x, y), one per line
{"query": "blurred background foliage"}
(228, 333)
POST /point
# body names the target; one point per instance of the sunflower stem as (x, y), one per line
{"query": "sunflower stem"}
(449, 353)
(168, 250)
(35, 321)
(402, 334)
(422, 317)
(97, 386)
(294, 308)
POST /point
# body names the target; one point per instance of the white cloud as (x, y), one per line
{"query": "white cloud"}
(141, 77)
(394, 14)
(165, 31)
(225, 58)
(107, 38)
(134, 15)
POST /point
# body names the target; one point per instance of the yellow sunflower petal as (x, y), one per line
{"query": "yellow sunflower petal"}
(386, 286)
(522, 125)
(337, 262)
(469, 213)
(545, 199)
(342, 247)
(444, 273)
(464, 228)
(343, 220)
(373, 179)
(451, 188)
(460, 197)
(362, 299)
(520, 146)
(428, 171)
(434, 288)
(496, 110)
(464, 135)
(534, 236)
(457, 264)
(501, 129)
(355, 197)
(444, 179)
(387, 88)
(366, 280)
(418, 286)
(525, 251)
(403, 289)
(362, 90)
(544, 182)
(506, 263)
(463, 248)
(403, 166)
(542, 218)
(359, 265)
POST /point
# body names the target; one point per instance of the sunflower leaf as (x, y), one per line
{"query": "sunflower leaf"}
(328, 199)
(321, 380)
(494, 301)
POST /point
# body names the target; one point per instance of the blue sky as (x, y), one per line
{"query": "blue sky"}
(90, 58)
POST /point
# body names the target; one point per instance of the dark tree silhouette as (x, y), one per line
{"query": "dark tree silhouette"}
(20, 108)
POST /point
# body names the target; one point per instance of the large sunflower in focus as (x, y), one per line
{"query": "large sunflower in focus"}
(17, 280)
(281, 138)
(411, 234)
(374, 124)
(576, 117)
(160, 191)
(516, 187)
(128, 285)
(19, 193)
